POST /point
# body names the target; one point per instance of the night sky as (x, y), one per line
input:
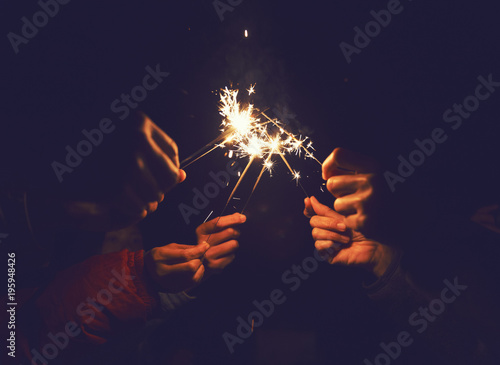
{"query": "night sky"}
(393, 91)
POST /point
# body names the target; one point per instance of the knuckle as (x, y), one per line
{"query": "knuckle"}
(332, 224)
(187, 255)
(193, 265)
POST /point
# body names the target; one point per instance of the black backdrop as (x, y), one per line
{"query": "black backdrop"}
(393, 91)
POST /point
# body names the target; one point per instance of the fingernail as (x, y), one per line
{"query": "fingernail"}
(341, 226)
(206, 246)
(243, 218)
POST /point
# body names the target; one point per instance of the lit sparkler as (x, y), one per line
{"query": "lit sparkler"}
(246, 135)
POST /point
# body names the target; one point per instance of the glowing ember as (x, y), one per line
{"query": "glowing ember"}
(250, 136)
(246, 135)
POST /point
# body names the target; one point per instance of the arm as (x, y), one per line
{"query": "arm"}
(396, 293)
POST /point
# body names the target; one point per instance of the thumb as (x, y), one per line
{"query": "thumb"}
(323, 210)
(181, 176)
(197, 251)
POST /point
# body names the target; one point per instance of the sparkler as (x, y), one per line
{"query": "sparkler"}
(246, 135)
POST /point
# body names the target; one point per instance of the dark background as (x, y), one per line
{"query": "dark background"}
(395, 90)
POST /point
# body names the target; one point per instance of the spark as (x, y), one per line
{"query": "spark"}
(244, 134)
(251, 90)
(296, 176)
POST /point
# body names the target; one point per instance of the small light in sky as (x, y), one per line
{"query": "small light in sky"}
(246, 33)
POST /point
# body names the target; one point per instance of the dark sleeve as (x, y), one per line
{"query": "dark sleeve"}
(430, 316)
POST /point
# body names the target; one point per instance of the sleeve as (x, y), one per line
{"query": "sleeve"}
(429, 316)
(89, 303)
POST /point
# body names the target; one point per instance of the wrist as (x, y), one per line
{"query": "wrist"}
(385, 257)
(149, 275)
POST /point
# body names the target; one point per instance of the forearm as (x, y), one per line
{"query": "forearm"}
(426, 314)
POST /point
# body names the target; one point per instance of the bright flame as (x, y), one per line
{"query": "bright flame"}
(252, 137)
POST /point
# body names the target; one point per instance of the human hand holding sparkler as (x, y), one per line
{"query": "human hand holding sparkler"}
(345, 247)
(151, 171)
(354, 180)
(221, 234)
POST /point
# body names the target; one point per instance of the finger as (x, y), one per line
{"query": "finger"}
(190, 267)
(221, 263)
(347, 205)
(342, 185)
(342, 159)
(144, 182)
(323, 234)
(166, 143)
(173, 253)
(308, 209)
(331, 224)
(356, 222)
(222, 250)
(199, 274)
(196, 251)
(220, 223)
(323, 210)
(225, 235)
(327, 247)
(164, 170)
(182, 175)
(151, 207)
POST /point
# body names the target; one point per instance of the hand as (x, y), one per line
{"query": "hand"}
(354, 180)
(223, 243)
(331, 241)
(153, 170)
(176, 268)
